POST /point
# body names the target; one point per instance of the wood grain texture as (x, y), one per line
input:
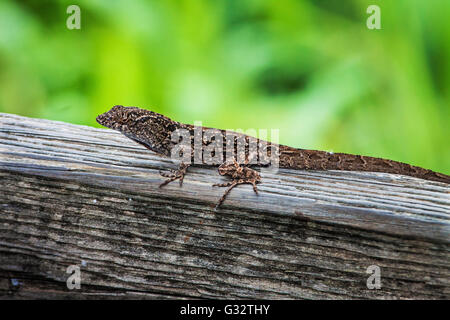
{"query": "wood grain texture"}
(79, 195)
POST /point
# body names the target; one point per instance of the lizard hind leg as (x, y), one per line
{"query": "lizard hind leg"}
(175, 175)
(231, 185)
(240, 175)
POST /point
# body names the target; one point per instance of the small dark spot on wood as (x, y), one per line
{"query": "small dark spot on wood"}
(301, 215)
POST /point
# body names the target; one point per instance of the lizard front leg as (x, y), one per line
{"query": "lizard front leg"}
(175, 175)
(240, 175)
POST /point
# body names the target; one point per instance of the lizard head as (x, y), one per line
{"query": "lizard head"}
(151, 129)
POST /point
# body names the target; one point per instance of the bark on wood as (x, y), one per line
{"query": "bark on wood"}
(75, 195)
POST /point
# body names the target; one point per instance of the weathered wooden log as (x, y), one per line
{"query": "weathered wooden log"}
(75, 195)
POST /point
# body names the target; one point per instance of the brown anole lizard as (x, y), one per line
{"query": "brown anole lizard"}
(155, 132)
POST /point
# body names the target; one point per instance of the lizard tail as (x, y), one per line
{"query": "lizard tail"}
(321, 160)
(363, 163)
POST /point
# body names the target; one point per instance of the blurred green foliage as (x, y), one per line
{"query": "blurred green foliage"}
(309, 68)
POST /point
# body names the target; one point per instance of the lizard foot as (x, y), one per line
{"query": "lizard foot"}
(240, 175)
(175, 174)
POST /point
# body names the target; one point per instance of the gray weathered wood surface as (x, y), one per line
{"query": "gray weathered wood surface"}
(76, 195)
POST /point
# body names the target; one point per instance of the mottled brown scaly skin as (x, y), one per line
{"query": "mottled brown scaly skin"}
(151, 129)
(154, 131)
(321, 160)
